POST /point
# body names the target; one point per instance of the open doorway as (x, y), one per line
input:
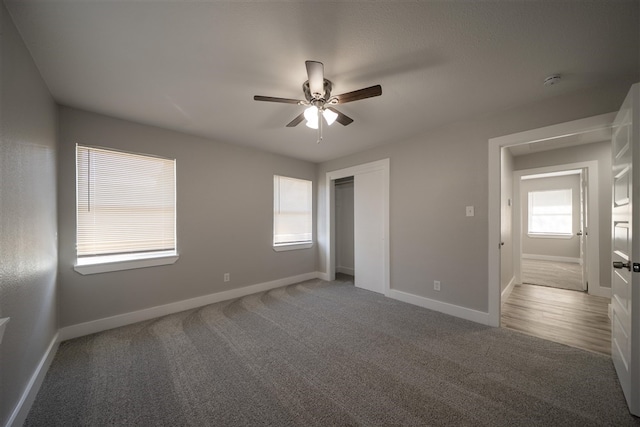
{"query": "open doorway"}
(556, 229)
(509, 227)
(556, 226)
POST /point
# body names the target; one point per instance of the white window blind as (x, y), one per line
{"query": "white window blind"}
(125, 203)
(292, 216)
(550, 212)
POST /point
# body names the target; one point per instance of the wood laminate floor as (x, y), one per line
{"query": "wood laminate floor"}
(563, 275)
(570, 317)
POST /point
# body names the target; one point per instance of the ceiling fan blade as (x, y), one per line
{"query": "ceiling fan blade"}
(272, 99)
(315, 71)
(357, 95)
(343, 119)
(295, 122)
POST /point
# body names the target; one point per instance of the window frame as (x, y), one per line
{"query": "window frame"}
(102, 263)
(297, 245)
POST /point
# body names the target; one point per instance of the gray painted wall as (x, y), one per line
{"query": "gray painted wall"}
(600, 152)
(435, 175)
(28, 245)
(344, 227)
(556, 247)
(224, 220)
(506, 219)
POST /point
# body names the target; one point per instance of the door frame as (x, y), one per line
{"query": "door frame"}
(593, 241)
(330, 247)
(496, 145)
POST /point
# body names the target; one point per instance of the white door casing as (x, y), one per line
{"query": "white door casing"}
(583, 232)
(625, 276)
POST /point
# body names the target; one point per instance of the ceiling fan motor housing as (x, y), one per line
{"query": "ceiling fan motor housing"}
(309, 96)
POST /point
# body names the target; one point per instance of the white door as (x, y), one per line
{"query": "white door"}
(368, 223)
(583, 232)
(625, 277)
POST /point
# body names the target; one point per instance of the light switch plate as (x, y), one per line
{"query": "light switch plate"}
(3, 324)
(470, 211)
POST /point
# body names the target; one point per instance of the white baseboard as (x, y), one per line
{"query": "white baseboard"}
(599, 291)
(443, 307)
(21, 410)
(345, 270)
(507, 291)
(324, 276)
(552, 258)
(116, 321)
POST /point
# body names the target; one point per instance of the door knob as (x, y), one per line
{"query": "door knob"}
(579, 233)
(620, 264)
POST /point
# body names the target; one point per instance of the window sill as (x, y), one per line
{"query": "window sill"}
(292, 246)
(550, 236)
(107, 263)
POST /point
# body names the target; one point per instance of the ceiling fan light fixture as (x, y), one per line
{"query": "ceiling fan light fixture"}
(311, 115)
(329, 116)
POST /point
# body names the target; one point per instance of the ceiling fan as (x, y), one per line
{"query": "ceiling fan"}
(318, 99)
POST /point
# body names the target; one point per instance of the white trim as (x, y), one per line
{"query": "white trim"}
(564, 236)
(99, 325)
(345, 270)
(552, 258)
(552, 174)
(292, 246)
(21, 410)
(600, 291)
(329, 248)
(495, 146)
(130, 264)
(442, 307)
(324, 276)
(508, 289)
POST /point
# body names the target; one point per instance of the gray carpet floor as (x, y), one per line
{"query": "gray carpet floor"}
(320, 354)
(561, 275)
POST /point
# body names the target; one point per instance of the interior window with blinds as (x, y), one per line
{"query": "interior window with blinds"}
(126, 204)
(292, 216)
(550, 212)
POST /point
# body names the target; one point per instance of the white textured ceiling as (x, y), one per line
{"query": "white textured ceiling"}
(195, 66)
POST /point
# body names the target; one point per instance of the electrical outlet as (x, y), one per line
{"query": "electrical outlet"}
(227, 277)
(436, 285)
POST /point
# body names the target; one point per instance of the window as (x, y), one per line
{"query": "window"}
(550, 212)
(292, 214)
(126, 208)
